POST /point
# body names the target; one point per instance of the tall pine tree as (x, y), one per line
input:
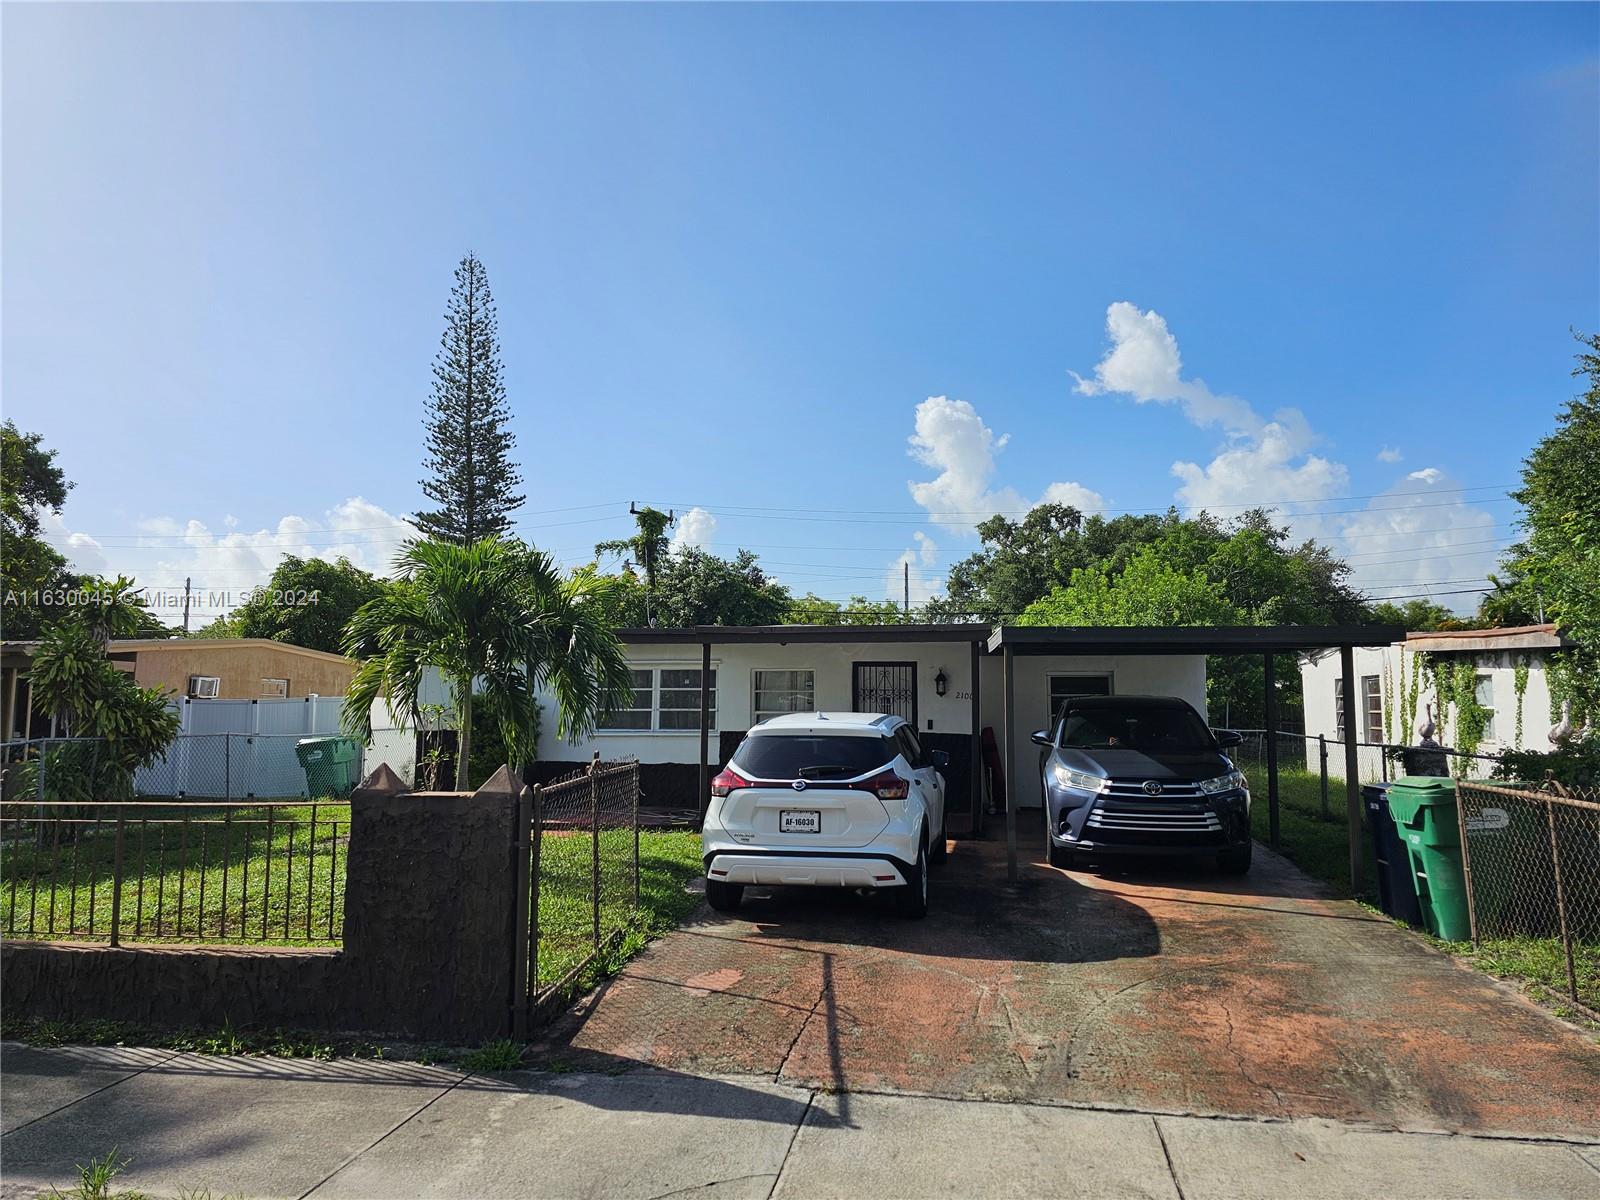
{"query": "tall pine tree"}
(474, 482)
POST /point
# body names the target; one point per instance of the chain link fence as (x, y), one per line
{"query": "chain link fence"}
(1532, 861)
(210, 766)
(584, 874)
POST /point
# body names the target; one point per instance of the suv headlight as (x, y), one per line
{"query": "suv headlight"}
(1065, 776)
(1232, 781)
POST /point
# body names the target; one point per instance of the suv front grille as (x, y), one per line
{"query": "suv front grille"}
(1134, 789)
(1153, 819)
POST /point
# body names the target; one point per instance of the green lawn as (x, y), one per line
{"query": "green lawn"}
(668, 861)
(1321, 848)
(190, 874)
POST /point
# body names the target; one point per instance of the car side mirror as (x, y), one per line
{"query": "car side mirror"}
(939, 758)
(1041, 737)
(1229, 737)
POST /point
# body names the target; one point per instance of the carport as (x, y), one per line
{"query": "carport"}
(1265, 641)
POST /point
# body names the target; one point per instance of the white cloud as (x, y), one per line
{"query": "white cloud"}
(1408, 536)
(82, 552)
(1143, 362)
(1412, 538)
(951, 438)
(695, 528)
(165, 550)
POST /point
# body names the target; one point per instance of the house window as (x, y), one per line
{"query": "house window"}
(664, 699)
(780, 692)
(278, 689)
(1483, 692)
(1338, 709)
(1372, 707)
(680, 699)
(1064, 687)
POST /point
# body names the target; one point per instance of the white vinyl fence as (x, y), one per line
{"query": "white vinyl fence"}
(239, 749)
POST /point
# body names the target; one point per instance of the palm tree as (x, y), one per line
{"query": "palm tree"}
(493, 617)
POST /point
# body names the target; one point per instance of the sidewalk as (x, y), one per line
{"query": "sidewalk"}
(284, 1127)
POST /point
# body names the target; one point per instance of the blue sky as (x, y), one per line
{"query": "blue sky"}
(1130, 256)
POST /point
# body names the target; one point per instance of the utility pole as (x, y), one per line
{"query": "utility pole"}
(186, 582)
(906, 576)
(647, 557)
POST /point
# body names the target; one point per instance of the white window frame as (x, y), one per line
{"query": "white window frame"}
(756, 716)
(1489, 729)
(1371, 730)
(1051, 676)
(655, 730)
(274, 694)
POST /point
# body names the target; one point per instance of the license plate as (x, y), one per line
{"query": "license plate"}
(799, 822)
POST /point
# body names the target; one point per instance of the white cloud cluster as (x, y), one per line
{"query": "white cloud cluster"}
(695, 528)
(1143, 362)
(951, 438)
(1417, 534)
(225, 566)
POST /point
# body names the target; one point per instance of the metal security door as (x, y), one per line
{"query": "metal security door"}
(885, 687)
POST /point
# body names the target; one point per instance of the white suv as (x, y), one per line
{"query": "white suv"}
(826, 800)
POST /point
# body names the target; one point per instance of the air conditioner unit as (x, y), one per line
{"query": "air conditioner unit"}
(204, 687)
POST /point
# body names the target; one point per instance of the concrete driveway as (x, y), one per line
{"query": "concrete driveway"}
(1169, 989)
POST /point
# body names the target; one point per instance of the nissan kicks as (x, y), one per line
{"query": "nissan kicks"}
(826, 799)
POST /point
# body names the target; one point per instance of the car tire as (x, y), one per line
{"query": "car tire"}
(940, 850)
(724, 897)
(1235, 861)
(912, 899)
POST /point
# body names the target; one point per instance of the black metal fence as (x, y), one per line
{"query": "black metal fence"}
(1532, 865)
(583, 874)
(173, 872)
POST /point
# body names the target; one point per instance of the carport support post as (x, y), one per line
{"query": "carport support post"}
(1011, 766)
(1352, 768)
(1269, 673)
(977, 752)
(703, 796)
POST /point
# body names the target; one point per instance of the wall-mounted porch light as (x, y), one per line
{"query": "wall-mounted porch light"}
(941, 682)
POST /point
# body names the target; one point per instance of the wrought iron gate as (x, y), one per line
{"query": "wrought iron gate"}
(885, 687)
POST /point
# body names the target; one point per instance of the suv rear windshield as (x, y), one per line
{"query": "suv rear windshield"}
(1147, 728)
(812, 756)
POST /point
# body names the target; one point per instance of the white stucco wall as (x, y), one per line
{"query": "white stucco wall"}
(736, 664)
(1182, 675)
(1318, 675)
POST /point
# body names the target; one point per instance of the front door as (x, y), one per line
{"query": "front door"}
(885, 687)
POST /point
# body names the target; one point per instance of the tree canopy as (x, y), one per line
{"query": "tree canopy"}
(1555, 568)
(471, 477)
(308, 602)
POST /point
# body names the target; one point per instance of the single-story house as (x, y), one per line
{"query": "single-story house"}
(1509, 666)
(196, 669)
(953, 681)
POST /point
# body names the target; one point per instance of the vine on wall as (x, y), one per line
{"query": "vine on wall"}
(1520, 684)
(1472, 718)
(1413, 692)
(1388, 700)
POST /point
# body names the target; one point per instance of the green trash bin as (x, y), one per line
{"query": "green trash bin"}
(325, 770)
(346, 753)
(1424, 811)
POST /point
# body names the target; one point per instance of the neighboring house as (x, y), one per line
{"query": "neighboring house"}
(191, 668)
(921, 672)
(1384, 676)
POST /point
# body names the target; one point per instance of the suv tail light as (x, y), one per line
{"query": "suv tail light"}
(728, 781)
(886, 785)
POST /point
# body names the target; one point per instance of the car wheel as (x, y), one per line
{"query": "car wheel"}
(1235, 861)
(724, 897)
(912, 900)
(941, 848)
